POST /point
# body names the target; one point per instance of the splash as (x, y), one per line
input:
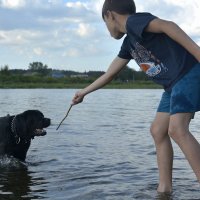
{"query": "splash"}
(10, 162)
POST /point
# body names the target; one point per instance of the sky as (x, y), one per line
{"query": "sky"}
(71, 35)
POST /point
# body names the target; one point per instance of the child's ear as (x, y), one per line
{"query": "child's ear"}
(109, 14)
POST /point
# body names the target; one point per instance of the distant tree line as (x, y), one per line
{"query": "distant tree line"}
(40, 69)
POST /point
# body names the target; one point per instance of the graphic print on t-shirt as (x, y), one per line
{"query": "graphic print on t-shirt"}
(147, 61)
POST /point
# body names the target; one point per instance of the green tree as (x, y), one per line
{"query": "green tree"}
(126, 74)
(39, 67)
(5, 70)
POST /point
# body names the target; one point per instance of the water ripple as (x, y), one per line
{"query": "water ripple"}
(103, 150)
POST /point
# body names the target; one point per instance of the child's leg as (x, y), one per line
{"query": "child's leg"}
(179, 132)
(164, 151)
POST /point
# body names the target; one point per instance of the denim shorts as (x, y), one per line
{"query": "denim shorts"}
(184, 96)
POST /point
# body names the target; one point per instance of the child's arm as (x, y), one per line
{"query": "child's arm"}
(115, 67)
(176, 33)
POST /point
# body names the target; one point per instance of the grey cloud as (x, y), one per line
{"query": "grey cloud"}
(32, 17)
(160, 8)
(53, 28)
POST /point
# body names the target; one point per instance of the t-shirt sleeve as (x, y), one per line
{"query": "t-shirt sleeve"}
(137, 23)
(124, 53)
(135, 26)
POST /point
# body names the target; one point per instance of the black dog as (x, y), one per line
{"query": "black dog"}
(17, 131)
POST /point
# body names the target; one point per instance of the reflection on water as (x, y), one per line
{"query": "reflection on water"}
(17, 181)
(103, 151)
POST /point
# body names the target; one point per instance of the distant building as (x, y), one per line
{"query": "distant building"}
(57, 75)
(29, 73)
(79, 76)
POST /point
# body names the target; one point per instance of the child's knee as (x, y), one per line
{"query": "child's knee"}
(158, 132)
(179, 126)
(176, 132)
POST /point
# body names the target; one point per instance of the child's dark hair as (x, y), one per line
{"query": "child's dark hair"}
(122, 7)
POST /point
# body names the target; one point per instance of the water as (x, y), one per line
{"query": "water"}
(103, 151)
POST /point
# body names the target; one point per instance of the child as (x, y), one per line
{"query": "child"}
(170, 58)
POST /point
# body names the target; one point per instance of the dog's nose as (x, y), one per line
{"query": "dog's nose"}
(46, 122)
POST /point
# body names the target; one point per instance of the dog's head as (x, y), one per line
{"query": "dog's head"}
(29, 124)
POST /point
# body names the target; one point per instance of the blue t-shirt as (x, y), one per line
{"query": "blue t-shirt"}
(161, 58)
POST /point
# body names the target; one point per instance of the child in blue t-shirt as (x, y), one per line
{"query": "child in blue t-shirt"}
(169, 57)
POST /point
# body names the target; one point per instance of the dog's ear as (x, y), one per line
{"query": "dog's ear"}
(21, 126)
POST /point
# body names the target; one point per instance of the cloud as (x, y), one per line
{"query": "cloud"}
(85, 30)
(38, 51)
(185, 13)
(18, 37)
(72, 52)
(12, 4)
(72, 33)
(76, 5)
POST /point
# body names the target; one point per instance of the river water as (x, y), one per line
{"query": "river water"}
(102, 151)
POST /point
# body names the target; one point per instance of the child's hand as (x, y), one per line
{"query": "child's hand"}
(78, 98)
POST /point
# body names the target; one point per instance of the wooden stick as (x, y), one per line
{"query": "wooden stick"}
(65, 116)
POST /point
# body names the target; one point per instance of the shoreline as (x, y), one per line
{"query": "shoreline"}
(114, 85)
